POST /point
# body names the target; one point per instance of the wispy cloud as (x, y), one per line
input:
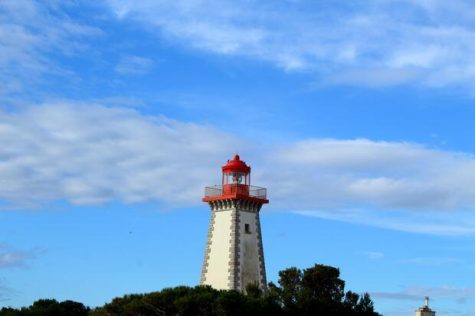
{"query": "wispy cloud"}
(134, 65)
(10, 257)
(450, 223)
(33, 34)
(372, 255)
(371, 43)
(437, 292)
(398, 296)
(359, 42)
(431, 261)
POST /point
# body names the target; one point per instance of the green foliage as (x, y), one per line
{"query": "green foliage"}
(253, 290)
(48, 307)
(315, 291)
(290, 291)
(365, 305)
(319, 291)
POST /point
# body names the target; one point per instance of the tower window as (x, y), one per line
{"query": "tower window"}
(247, 229)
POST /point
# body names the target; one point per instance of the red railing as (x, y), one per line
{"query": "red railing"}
(236, 189)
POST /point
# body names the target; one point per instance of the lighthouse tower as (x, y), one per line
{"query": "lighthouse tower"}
(234, 255)
(425, 310)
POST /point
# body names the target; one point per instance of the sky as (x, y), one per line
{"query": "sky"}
(356, 115)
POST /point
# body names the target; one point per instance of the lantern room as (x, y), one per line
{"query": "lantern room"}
(236, 176)
(235, 183)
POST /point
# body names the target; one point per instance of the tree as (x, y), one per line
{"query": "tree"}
(351, 301)
(290, 281)
(48, 307)
(319, 290)
(198, 302)
(365, 305)
(323, 284)
(253, 290)
(74, 308)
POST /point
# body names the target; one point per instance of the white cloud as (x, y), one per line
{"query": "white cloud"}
(92, 154)
(360, 172)
(393, 185)
(359, 42)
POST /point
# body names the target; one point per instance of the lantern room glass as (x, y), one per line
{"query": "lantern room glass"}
(236, 178)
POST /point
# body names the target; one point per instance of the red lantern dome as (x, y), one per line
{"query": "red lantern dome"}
(236, 165)
(236, 183)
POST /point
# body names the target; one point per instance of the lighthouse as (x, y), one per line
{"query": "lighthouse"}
(425, 310)
(234, 255)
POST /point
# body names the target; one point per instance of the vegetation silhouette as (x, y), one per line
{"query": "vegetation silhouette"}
(315, 291)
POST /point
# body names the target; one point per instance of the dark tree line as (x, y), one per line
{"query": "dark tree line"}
(46, 307)
(315, 291)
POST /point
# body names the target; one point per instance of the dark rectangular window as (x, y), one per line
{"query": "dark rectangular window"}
(247, 229)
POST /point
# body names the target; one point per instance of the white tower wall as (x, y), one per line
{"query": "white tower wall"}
(249, 248)
(234, 254)
(218, 255)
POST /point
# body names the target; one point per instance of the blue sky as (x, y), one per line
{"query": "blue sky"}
(357, 116)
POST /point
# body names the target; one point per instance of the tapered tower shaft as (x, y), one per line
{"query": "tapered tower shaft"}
(234, 255)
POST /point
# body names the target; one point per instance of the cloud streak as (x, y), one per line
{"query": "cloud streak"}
(371, 43)
(433, 261)
(372, 255)
(437, 292)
